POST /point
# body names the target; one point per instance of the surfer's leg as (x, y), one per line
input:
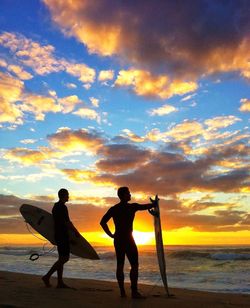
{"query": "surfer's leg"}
(132, 255)
(61, 261)
(120, 257)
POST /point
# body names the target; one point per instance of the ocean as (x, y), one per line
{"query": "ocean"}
(207, 268)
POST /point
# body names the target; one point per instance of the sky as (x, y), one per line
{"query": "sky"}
(153, 95)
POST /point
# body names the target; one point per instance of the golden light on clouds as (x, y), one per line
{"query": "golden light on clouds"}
(88, 113)
(69, 103)
(146, 84)
(11, 90)
(245, 105)
(106, 75)
(79, 140)
(39, 105)
(163, 110)
(220, 122)
(20, 72)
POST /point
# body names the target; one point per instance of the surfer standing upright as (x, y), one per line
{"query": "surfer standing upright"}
(62, 225)
(123, 215)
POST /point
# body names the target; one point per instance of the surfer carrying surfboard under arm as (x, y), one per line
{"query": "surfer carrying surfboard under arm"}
(123, 215)
(62, 225)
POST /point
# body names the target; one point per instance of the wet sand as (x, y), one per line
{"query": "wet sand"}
(23, 290)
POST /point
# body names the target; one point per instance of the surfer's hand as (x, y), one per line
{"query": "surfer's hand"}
(154, 202)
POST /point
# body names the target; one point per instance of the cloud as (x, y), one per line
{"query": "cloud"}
(25, 156)
(127, 133)
(85, 215)
(78, 175)
(3, 63)
(122, 157)
(181, 39)
(188, 97)
(39, 105)
(20, 72)
(28, 141)
(82, 140)
(186, 129)
(144, 83)
(68, 103)
(88, 113)
(39, 58)
(221, 122)
(86, 212)
(245, 105)
(168, 173)
(94, 101)
(42, 59)
(83, 72)
(11, 90)
(71, 85)
(106, 75)
(163, 110)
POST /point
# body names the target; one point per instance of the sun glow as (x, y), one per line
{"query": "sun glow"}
(143, 238)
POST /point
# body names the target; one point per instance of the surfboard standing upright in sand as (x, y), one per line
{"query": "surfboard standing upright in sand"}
(43, 222)
(159, 244)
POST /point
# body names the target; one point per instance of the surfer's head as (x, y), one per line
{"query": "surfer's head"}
(63, 195)
(124, 194)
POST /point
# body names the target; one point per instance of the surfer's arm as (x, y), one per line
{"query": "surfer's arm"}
(104, 224)
(143, 207)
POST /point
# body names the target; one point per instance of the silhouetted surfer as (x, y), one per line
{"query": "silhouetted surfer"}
(62, 225)
(123, 215)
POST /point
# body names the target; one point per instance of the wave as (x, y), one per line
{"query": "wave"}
(230, 256)
(107, 255)
(23, 251)
(219, 254)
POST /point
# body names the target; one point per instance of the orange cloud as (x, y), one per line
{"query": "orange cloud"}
(20, 72)
(186, 129)
(68, 103)
(83, 72)
(3, 63)
(79, 140)
(160, 35)
(88, 113)
(41, 58)
(79, 175)
(132, 136)
(221, 122)
(25, 156)
(146, 84)
(245, 105)
(39, 105)
(106, 75)
(11, 90)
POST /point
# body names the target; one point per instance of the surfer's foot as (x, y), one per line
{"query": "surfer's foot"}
(45, 279)
(63, 286)
(123, 293)
(137, 295)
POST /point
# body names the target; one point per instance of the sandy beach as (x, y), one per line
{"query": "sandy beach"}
(23, 290)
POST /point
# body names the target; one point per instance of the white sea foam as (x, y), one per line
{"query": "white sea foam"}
(225, 269)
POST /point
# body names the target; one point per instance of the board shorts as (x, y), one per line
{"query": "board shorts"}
(126, 246)
(63, 247)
